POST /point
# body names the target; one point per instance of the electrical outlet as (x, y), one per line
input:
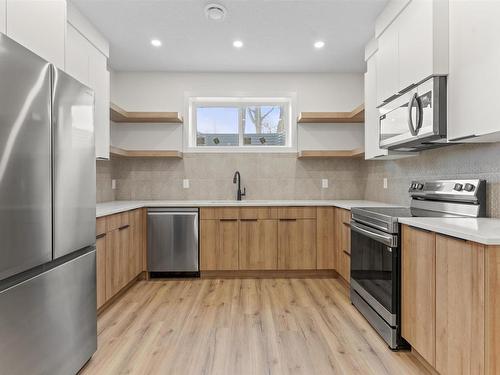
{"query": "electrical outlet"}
(385, 182)
(185, 183)
(113, 184)
(324, 183)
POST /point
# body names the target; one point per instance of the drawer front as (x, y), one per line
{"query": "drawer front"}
(100, 226)
(113, 222)
(297, 212)
(228, 213)
(208, 213)
(261, 213)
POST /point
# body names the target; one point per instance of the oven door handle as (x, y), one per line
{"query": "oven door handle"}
(386, 239)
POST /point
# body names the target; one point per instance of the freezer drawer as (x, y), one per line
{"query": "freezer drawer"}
(74, 165)
(173, 240)
(48, 323)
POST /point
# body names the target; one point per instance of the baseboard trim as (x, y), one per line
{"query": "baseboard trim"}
(269, 274)
(142, 276)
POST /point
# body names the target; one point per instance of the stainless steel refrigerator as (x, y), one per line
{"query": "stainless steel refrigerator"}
(47, 217)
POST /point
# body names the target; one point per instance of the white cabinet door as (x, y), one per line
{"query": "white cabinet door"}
(415, 43)
(387, 64)
(372, 149)
(39, 25)
(474, 79)
(3, 15)
(99, 81)
(77, 55)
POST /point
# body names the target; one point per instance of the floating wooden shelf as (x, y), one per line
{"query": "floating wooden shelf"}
(357, 115)
(145, 153)
(118, 114)
(310, 154)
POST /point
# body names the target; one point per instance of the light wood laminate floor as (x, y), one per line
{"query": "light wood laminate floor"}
(249, 326)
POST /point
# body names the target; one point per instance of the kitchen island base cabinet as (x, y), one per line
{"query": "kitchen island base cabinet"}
(451, 302)
(460, 311)
(418, 285)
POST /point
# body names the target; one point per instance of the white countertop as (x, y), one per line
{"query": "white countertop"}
(482, 230)
(114, 207)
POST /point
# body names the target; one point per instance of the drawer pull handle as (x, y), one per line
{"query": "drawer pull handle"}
(124, 227)
(288, 219)
(228, 219)
(100, 236)
(346, 253)
(248, 219)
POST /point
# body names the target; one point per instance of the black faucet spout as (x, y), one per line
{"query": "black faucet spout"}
(237, 179)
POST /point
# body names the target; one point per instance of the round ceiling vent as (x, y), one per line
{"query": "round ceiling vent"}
(215, 12)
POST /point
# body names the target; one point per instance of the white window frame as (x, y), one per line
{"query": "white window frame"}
(240, 102)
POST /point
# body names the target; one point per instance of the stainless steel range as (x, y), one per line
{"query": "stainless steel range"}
(375, 247)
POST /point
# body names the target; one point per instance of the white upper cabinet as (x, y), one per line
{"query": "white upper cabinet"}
(77, 55)
(474, 79)
(412, 47)
(387, 64)
(372, 149)
(39, 25)
(99, 81)
(3, 15)
(87, 60)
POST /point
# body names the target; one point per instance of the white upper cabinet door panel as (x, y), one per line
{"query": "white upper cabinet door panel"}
(3, 15)
(387, 64)
(372, 149)
(474, 79)
(77, 56)
(39, 25)
(415, 43)
(99, 81)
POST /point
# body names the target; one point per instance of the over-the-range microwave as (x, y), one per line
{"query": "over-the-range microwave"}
(416, 119)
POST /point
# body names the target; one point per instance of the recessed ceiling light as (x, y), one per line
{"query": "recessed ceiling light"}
(156, 42)
(319, 44)
(237, 44)
(215, 12)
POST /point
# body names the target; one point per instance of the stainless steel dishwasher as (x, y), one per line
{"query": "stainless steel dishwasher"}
(172, 241)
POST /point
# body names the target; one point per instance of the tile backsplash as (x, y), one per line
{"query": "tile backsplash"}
(265, 176)
(457, 161)
(283, 176)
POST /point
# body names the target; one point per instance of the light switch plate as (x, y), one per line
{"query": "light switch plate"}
(113, 184)
(324, 183)
(185, 183)
(385, 182)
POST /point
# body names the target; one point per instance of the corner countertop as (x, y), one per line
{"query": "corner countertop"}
(482, 230)
(114, 207)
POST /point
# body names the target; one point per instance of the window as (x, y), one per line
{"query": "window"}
(239, 122)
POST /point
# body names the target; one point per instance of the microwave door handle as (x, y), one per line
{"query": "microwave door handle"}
(414, 129)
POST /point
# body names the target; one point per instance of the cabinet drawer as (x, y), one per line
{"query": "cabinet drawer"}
(297, 212)
(214, 213)
(117, 221)
(262, 213)
(345, 216)
(100, 226)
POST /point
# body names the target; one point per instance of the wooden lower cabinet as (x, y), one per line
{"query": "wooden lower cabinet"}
(219, 244)
(342, 240)
(325, 239)
(460, 313)
(120, 252)
(258, 244)
(451, 302)
(418, 283)
(296, 244)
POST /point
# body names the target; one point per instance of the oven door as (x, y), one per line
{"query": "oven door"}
(375, 270)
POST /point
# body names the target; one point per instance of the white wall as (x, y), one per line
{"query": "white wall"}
(142, 91)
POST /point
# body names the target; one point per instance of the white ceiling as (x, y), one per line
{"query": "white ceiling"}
(278, 35)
